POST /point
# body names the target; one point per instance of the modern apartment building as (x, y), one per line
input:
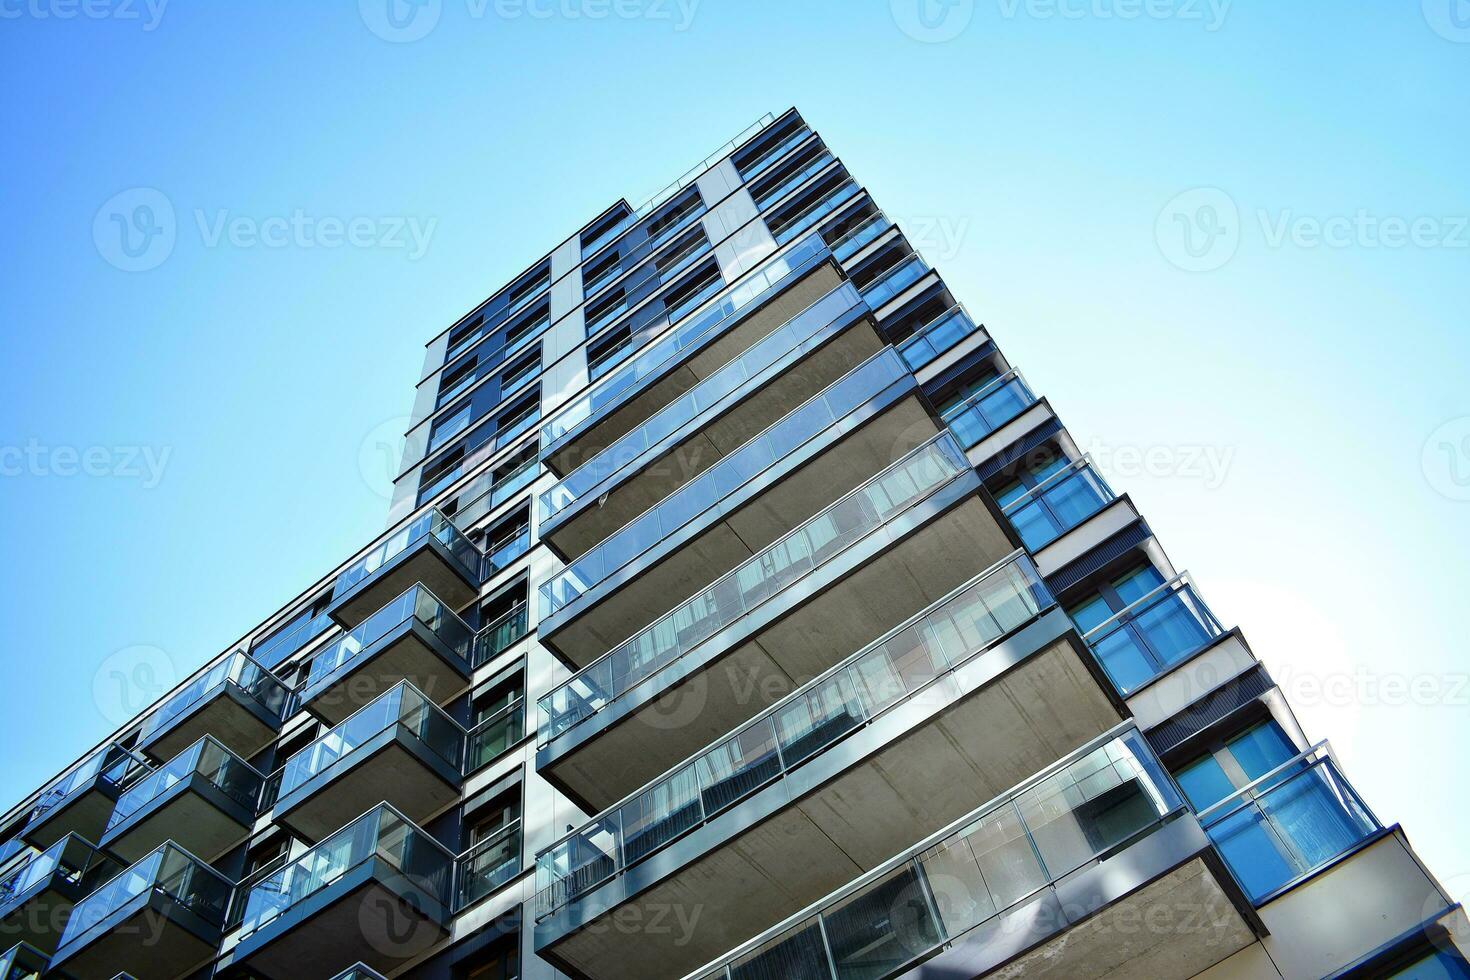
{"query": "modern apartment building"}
(744, 613)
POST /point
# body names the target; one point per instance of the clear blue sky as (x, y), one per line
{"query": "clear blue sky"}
(1309, 335)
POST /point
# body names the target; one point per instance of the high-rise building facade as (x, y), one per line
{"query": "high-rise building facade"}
(744, 613)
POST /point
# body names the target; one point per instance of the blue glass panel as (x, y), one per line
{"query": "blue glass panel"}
(1137, 584)
(1248, 845)
(1438, 965)
(1261, 749)
(1123, 658)
(1172, 629)
(1204, 783)
(1313, 820)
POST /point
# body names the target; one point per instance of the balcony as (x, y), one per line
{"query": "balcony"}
(938, 338)
(22, 962)
(1292, 822)
(162, 917)
(1067, 515)
(510, 628)
(81, 801)
(37, 898)
(360, 972)
(701, 425)
(494, 736)
(989, 410)
(203, 800)
(1154, 635)
(487, 866)
(375, 892)
(885, 551)
(414, 638)
(902, 281)
(400, 749)
(851, 243)
(1043, 880)
(429, 550)
(664, 369)
(860, 762)
(237, 701)
(743, 501)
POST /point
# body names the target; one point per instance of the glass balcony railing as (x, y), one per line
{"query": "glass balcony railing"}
(68, 860)
(499, 636)
(773, 153)
(22, 962)
(765, 352)
(360, 972)
(989, 408)
(940, 335)
(431, 523)
(634, 258)
(403, 708)
(1059, 503)
(503, 553)
(487, 866)
(612, 390)
(112, 764)
(1153, 634)
(485, 492)
(169, 870)
(819, 163)
(850, 244)
(797, 226)
(907, 908)
(698, 170)
(493, 737)
(806, 423)
(381, 834)
(226, 771)
(895, 281)
(1294, 820)
(238, 670)
(419, 604)
(885, 673)
(862, 511)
